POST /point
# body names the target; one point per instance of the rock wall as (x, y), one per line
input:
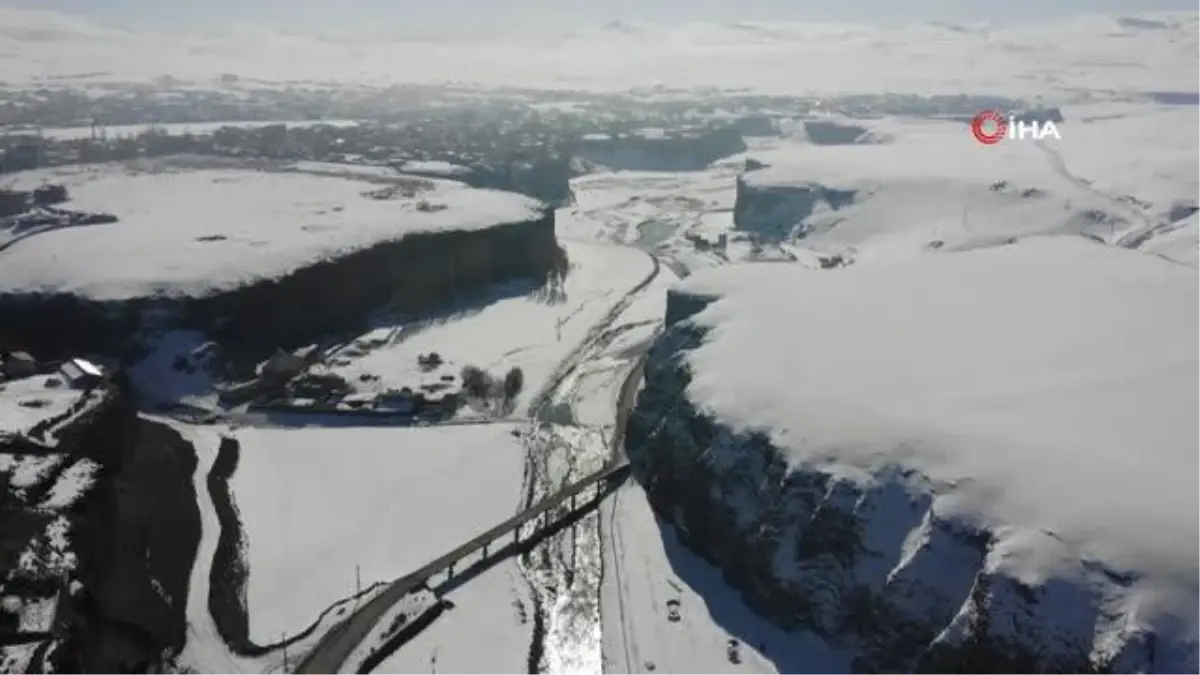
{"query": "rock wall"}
(777, 212)
(869, 567)
(416, 273)
(824, 132)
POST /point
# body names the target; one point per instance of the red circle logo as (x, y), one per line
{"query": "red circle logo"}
(989, 127)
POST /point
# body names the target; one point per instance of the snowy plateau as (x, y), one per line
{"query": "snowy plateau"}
(860, 395)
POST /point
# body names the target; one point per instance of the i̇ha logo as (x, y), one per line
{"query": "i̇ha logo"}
(990, 127)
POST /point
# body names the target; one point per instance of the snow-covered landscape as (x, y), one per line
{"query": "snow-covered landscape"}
(530, 331)
(226, 224)
(1089, 52)
(861, 395)
(339, 490)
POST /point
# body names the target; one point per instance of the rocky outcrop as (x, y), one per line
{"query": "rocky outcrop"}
(133, 536)
(828, 132)
(659, 150)
(869, 566)
(776, 211)
(415, 273)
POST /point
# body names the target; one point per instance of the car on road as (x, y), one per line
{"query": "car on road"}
(673, 610)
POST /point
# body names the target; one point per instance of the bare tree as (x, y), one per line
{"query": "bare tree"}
(476, 382)
(514, 381)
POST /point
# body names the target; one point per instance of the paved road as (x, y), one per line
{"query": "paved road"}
(331, 652)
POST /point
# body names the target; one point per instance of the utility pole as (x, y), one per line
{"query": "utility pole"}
(283, 640)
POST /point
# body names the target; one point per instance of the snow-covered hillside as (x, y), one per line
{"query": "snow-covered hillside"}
(1153, 53)
(883, 454)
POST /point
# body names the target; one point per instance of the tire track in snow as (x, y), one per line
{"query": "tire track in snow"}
(595, 337)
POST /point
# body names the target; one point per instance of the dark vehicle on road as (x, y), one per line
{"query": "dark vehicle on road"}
(673, 610)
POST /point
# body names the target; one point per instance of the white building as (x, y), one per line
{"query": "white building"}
(81, 374)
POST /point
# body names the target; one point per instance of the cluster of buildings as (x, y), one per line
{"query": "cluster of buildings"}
(13, 202)
(75, 373)
(285, 382)
(436, 395)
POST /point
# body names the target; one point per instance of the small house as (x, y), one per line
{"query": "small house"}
(18, 364)
(49, 194)
(81, 374)
(282, 366)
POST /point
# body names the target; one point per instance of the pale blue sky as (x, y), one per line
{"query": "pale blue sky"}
(499, 13)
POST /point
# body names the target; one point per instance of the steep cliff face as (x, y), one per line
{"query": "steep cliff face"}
(416, 272)
(776, 212)
(875, 562)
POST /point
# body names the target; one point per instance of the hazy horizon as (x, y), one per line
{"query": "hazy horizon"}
(513, 14)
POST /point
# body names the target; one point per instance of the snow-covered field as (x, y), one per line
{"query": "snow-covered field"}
(196, 231)
(29, 400)
(529, 331)
(488, 630)
(1012, 373)
(204, 650)
(1153, 53)
(1147, 151)
(320, 505)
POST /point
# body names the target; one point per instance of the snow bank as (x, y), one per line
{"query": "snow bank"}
(320, 505)
(1016, 374)
(1087, 53)
(71, 485)
(198, 231)
(22, 472)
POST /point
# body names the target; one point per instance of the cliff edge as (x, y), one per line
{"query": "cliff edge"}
(978, 462)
